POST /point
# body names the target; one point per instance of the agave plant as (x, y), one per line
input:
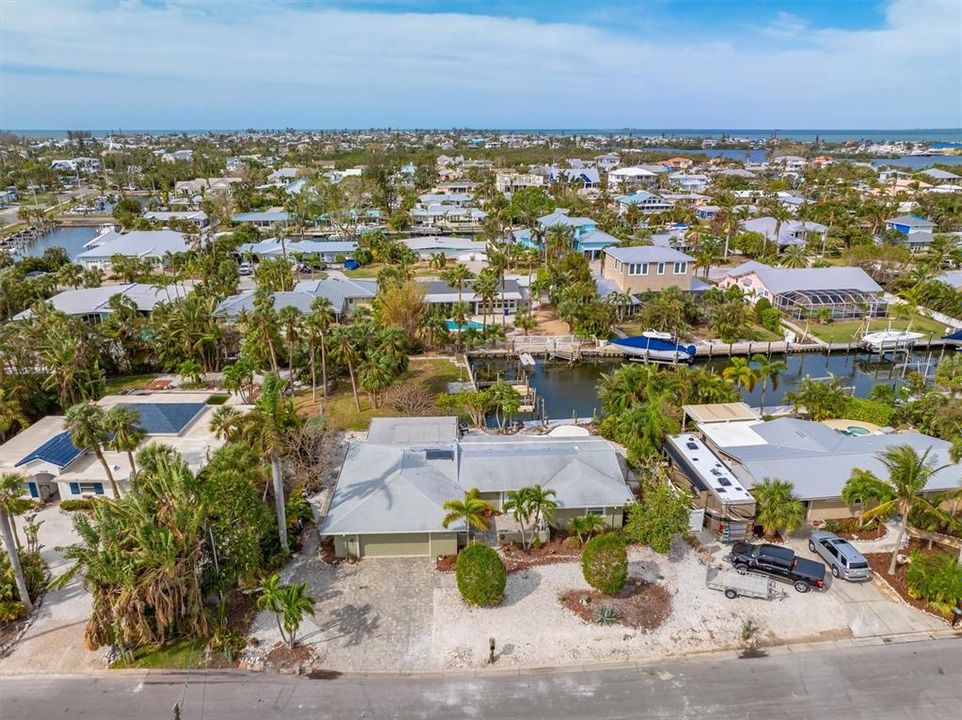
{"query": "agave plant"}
(606, 615)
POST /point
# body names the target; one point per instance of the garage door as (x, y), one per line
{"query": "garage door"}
(400, 545)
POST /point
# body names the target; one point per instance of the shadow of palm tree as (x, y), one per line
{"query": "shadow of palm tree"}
(353, 622)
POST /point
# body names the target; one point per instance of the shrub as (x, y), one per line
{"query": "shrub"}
(481, 575)
(606, 615)
(661, 516)
(871, 411)
(74, 505)
(936, 579)
(604, 563)
(33, 574)
(771, 319)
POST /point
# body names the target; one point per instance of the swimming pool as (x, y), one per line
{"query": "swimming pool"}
(453, 326)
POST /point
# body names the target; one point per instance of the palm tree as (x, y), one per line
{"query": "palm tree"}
(345, 351)
(542, 505)
(457, 277)
(11, 483)
(472, 511)
(794, 257)
(11, 412)
(908, 474)
(288, 317)
(288, 603)
(438, 260)
(12, 500)
(767, 371)
(780, 214)
(586, 525)
(320, 320)
(517, 503)
(740, 372)
(776, 507)
(123, 422)
(87, 425)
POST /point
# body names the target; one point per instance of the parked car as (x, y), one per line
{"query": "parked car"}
(245, 268)
(778, 562)
(844, 560)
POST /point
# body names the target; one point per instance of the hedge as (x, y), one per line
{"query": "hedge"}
(481, 575)
(73, 505)
(871, 411)
(604, 563)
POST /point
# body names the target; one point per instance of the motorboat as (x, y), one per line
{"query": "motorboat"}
(889, 340)
(653, 346)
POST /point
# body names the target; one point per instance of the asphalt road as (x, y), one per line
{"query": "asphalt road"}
(911, 680)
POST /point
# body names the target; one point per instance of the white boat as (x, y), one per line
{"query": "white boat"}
(889, 340)
(527, 359)
(652, 346)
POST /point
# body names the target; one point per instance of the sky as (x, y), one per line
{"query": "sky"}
(170, 64)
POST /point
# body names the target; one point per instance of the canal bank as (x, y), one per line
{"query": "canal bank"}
(566, 390)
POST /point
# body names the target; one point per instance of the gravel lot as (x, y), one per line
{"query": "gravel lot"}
(533, 629)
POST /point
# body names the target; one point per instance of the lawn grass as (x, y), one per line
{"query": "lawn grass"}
(845, 331)
(124, 383)
(369, 272)
(186, 654)
(339, 409)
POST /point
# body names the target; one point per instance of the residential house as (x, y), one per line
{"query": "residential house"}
(511, 182)
(689, 182)
(390, 494)
(448, 217)
(647, 202)
(451, 247)
(918, 231)
(789, 163)
(844, 292)
(283, 175)
(344, 294)
(625, 178)
(439, 293)
(678, 163)
(56, 468)
(262, 219)
(177, 156)
(790, 232)
(150, 245)
(608, 161)
(81, 165)
(940, 176)
(586, 177)
(93, 304)
(329, 251)
(195, 217)
(818, 460)
(649, 267)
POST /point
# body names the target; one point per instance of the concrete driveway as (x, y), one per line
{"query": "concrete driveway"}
(54, 640)
(869, 609)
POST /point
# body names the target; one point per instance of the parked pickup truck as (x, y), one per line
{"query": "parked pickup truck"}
(778, 562)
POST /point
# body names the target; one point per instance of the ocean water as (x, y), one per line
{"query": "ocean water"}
(939, 137)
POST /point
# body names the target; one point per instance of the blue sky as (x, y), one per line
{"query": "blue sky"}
(427, 63)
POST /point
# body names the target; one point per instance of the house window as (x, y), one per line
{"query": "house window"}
(595, 511)
(80, 488)
(661, 268)
(681, 268)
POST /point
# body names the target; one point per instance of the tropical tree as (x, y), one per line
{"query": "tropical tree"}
(11, 412)
(289, 604)
(472, 511)
(740, 372)
(820, 399)
(87, 425)
(901, 492)
(11, 485)
(584, 526)
(505, 400)
(864, 489)
(776, 507)
(542, 505)
(344, 349)
(126, 433)
(517, 503)
(318, 324)
(289, 319)
(768, 371)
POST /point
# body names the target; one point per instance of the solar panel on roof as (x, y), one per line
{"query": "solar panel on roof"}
(58, 450)
(165, 418)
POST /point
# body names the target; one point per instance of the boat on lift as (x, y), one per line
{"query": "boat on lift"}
(885, 341)
(653, 346)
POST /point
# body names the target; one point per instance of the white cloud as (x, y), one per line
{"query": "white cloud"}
(243, 65)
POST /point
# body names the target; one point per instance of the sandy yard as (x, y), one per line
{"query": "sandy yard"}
(549, 323)
(533, 629)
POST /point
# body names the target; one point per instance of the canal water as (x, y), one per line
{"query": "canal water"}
(71, 239)
(572, 390)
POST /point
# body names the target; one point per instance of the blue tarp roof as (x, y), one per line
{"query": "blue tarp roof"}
(165, 418)
(58, 450)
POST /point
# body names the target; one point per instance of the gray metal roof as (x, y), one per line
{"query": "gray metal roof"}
(399, 479)
(90, 301)
(164, 418)
(400, 431)
(647, 253)
(137, 243)
(783, 280)
(911, 221)
(818, 460)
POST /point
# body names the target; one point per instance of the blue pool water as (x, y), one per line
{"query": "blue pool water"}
(453, 326)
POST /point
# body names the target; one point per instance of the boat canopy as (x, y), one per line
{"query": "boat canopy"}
(642, 342)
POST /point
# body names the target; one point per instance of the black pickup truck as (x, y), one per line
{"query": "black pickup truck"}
(778, 562)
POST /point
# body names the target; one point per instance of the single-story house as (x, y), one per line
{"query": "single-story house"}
(325, 250)
(452, 247)
(93, 304)
(56, 468)
(438, 292)
(817, 459)
(390, 494)
(263, 219)
(151, 245)
(847, 292)
(940, 176)
(344, 294)
(197, 217)
(790, 232)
